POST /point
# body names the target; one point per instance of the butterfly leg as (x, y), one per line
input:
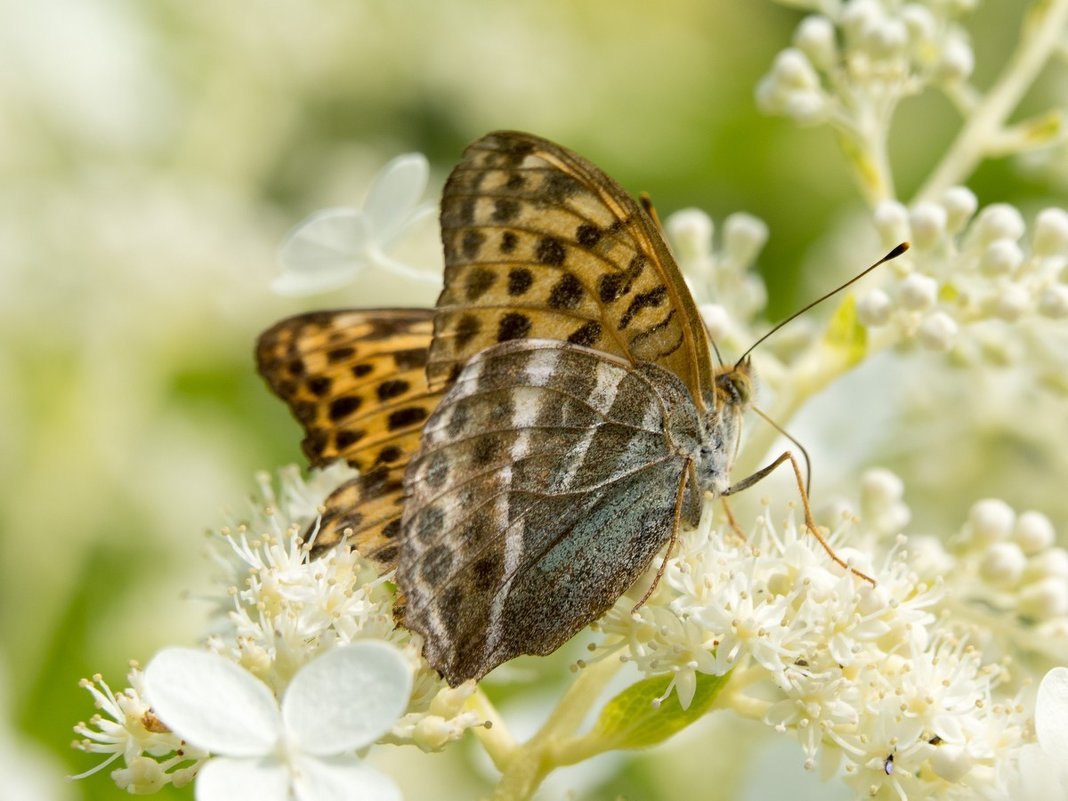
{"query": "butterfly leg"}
(691, 479)
(749, 481)
(731, 520)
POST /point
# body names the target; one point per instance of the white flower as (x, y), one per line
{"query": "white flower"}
(340, 702)
(1040, 772)
(126, 727)
(332, 247)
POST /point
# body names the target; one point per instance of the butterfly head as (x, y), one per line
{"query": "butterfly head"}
(734, 386)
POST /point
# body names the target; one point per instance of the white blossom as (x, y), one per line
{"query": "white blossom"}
(1039, 771)
(332, 247)
(127, 727)
(276, 611)
(880, 681)
(342, 701)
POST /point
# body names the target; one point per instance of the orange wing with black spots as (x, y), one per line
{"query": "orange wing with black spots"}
(356, 382)
(541, 244)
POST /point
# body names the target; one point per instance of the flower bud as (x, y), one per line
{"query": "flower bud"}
(743, 237)
(1034, 532)
(690, 231)
(1044, 599)
(990, 520)
(999, 221)
(1011, 302)
(1050, 236)
(888, 39)
(1001, 257)
(793, 70)
(919, 292)
(1003, 564)
(880, 501)
(920, 22)
(1053, 302)
(938, 331)
(1052, 563)
(816, 39)
(892, 221)
(928, 221)
(958, 61)
(874, 308)
(960, 204)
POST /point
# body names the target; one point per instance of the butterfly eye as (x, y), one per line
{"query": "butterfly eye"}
(737, 386)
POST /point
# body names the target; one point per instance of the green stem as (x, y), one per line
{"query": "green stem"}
(536, 759)
(865, 147)
(1044, 27)
(495, 737)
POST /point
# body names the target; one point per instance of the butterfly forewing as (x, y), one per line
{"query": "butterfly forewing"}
(356, 382)
(539, 243)
(547, 480)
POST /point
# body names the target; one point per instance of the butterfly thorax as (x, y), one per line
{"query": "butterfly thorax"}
(722, 427)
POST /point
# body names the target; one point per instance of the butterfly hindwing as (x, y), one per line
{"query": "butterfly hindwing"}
(356, 382)
(547, 479)
(540, 243)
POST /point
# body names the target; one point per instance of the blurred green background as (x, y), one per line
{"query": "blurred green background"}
(152, 155)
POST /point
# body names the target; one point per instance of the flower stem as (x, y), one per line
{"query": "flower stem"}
(865, 148)
(536, 759)
(495, 737)
(1043, 31)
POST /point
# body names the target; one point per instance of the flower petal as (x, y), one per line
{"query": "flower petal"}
(347, 698)
(1034, 776)
(324, 252)
(394, 194)
(212, 702)
(1051, 715)
(262, 779)
(341, 779)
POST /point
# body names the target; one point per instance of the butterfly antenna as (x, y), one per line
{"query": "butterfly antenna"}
(712, 342)
(893, 254)
(800, 447)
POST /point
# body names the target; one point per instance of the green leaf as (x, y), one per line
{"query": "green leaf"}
(634, 720)
(846, 335)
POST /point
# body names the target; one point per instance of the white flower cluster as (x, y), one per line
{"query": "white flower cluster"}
(728, 291)
(279, 612)
(291, 608)
(966, 268)
(1011, 576)
(126, 727)
(875, 683)
(852, 63)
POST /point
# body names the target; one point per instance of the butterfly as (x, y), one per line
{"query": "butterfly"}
(528, 447)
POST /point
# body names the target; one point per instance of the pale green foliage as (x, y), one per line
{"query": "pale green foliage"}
(647, 713)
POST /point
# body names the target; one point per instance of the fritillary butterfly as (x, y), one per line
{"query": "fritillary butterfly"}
(524, 461)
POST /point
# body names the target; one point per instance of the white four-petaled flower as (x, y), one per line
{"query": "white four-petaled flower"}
(330, 248)
(304, 747)
(1041, 770)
